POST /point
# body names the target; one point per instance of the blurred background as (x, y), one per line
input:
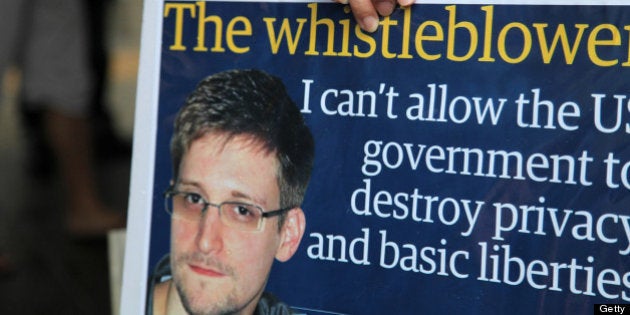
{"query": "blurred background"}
(45, 268)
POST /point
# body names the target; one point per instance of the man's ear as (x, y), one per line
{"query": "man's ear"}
(291, 234)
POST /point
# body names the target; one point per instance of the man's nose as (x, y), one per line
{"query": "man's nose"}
(210, 231)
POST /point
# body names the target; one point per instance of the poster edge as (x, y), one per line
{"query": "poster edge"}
(137, 242)
(478, 2)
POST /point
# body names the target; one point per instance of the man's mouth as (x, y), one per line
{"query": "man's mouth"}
(206, 271)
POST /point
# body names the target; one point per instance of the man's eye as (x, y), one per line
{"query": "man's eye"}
(243, 210)
(192, 198)
(244, 213)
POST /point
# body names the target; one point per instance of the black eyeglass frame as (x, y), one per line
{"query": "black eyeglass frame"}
(264, 214)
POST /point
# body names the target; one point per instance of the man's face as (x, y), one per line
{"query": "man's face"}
(217, 268)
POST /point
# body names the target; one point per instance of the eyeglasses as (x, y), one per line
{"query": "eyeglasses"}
(242, 216)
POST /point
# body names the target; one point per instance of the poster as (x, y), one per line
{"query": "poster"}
(471, 158)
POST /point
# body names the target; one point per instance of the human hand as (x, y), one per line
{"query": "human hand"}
(366, 12)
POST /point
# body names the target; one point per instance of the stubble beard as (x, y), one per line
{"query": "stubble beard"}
(221, 305)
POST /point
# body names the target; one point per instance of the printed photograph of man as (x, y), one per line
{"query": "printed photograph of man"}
(242, 158)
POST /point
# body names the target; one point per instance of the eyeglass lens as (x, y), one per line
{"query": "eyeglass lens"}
(189, 206)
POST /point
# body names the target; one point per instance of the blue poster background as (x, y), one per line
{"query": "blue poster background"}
(366, 276)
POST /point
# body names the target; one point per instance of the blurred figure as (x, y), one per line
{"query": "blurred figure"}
(47, 40)
(107, 143)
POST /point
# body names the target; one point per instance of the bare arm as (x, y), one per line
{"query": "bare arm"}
(366, 12)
